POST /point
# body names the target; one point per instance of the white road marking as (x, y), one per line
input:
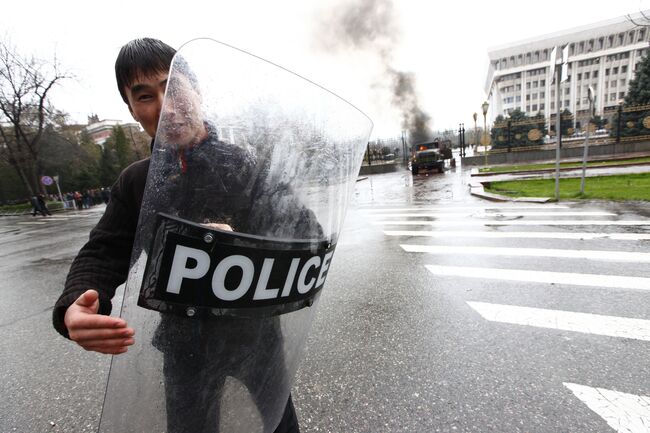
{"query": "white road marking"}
(494, 214)
(532, 235)
(466, 223)
(457, 208)
(593, 280)
(32, 223)
(625, 413)
(621, 256)
(610, 326)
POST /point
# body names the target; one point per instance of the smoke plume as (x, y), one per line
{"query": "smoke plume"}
(370, 26)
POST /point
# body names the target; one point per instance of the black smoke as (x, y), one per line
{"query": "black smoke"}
(371, 26)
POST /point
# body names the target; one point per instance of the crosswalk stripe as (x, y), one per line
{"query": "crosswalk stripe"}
(517, 223)
(457, 208)
(625, 413)
(493, 214)
(532, 235)
(610, 326)
(623, 256)
(593, 280)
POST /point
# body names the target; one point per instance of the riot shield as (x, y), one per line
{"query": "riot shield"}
(249, 179)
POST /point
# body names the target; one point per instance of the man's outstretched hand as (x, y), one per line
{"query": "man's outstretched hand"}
(96, 332)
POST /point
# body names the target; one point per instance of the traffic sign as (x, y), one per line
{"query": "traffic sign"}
(47, 180)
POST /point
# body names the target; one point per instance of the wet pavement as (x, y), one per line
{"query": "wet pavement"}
(442, 312)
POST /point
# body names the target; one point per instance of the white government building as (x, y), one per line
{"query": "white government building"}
(603, 55)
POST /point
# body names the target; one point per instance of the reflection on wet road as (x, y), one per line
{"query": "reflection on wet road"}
(442, 312)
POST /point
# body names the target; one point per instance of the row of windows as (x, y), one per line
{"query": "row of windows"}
(587, 75)
(589, 62)
(567, 91)
(529, 85)
(619, 56)
(614, 83)
(534, 72)
(581, 75)
(612, 97)
(601, 43)
(541, 95)
(534, 107)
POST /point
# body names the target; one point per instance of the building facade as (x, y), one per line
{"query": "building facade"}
(603, 55)
(100, 130)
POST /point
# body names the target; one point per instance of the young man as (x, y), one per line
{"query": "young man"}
(82, 311)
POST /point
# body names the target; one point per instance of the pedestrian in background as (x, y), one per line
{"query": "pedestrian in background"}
(43, 205)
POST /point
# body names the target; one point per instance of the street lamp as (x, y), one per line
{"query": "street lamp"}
(485, 107)
(475, 130)
(461, 139)
(620, 112)
(590, 97)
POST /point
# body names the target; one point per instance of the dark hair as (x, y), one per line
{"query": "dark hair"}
(182, 67)
(146, 56)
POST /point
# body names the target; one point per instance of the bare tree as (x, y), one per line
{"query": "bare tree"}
(644, 21)
(25, 84)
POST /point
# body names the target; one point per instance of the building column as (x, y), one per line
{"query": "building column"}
(522, 92)
(548, 98)
(630, 69)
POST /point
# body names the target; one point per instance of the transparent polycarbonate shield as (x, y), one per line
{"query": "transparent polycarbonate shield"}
(249, 179)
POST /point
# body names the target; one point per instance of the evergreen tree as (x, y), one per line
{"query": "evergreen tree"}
(89, 174)
(635, 114)
(639, 89)
(109, 164)
(123, 149)
(566, 122)
(518, 130)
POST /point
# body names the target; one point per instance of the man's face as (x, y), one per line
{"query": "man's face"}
(182, 117)
(145, 97)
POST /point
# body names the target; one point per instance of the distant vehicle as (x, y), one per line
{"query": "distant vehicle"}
(427, 156)
(389, 157)
(601, 132)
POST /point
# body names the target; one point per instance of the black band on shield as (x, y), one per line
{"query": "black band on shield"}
(198, 271)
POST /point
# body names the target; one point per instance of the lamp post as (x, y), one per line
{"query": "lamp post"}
(590, 97)
(620, 112)
(485, 107)
(462, 134)
(475, 131)
(461, 139)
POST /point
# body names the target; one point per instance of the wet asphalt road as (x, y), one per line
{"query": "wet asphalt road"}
(395, 347)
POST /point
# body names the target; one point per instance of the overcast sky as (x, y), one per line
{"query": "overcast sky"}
(445, 45)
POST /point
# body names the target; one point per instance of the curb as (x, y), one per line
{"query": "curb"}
(551, 170)
(477, 189)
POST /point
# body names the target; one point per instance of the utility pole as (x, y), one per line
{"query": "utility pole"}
(475, 132)
(557, 134)
(590, 96)
(562, 75)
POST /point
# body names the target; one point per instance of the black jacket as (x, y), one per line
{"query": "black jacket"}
(239, 192)
(103, 262)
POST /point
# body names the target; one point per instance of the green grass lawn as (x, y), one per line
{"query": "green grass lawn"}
(622, 187)
(526, 167)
